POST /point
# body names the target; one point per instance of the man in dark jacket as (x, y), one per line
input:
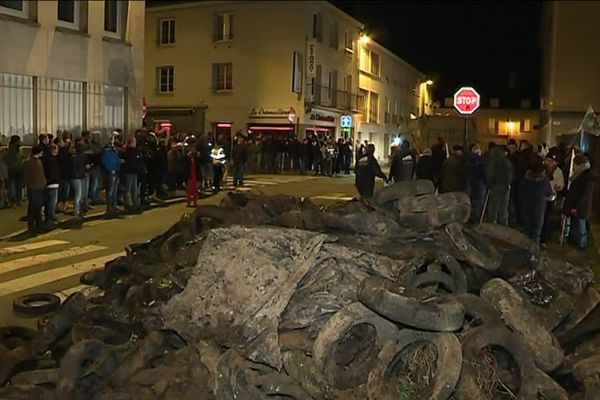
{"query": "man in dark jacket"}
(403, 163)
(65, 168)
(52, 174)
(78, 173)
(578, 202)
(111, 163)
(476, 181)
(35, 182)
(534, 186)
(133, 166)
(453, 177)
(240, 158)
(14, 165)
(500, 178)
(425, 166)
(367, 169)
(439, 154)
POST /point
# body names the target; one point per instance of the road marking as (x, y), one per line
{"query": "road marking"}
(30, 246)
(54, 275)
(345, 198)
(25, 262)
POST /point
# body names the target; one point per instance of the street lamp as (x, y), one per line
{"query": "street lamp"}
(429, 82)
(364, 39)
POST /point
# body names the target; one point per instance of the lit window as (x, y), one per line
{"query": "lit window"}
(224, 26)
(165, 77)
(374, 63)
(369, 61)
(492, 125)
(348, 42)
(222, 77)
(114, 12)
(363, 101)
(526, 125)
(17, 8)
(374, 108)
(167, 31)
(68, 13)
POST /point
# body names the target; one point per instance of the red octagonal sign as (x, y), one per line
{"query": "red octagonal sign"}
(466, 100)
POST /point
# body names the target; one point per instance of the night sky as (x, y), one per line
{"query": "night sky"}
(491, 45)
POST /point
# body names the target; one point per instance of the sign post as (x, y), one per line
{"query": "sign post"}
(466, 102)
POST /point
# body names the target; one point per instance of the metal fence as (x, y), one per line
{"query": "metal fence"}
(16, 105)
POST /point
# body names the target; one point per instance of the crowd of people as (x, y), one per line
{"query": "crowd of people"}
(512, 184)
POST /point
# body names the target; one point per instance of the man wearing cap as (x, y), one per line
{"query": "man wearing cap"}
(557, 184)
(578, 202)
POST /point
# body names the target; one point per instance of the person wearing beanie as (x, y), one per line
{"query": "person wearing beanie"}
(534, 188)
(35, 182)
(578, 202)
(557, 184)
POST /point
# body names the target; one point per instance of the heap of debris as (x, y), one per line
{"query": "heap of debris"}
(273, 297)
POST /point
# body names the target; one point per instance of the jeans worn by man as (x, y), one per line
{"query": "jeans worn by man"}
(112, 185)
(578, 233)
(476, 192)
(77, 185)
(238, 176)
(51, 195)
(132, 191)
(95, 178)
(85, 190)
(15, 195)
(34, 207)
(498, 204)
(63, 191)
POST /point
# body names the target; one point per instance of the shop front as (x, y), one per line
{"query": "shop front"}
(272, 122)
(321, 123)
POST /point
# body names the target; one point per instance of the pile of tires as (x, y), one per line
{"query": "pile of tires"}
(273, 297)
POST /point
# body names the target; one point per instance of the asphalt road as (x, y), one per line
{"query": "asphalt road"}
(53, 262)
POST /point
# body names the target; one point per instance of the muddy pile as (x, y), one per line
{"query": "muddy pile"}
(274, 297)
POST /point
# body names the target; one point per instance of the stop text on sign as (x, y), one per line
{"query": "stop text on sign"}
(466, 100)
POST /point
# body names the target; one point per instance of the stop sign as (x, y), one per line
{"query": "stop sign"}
(466, 100)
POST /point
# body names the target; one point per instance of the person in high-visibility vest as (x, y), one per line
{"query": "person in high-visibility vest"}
(218, 161)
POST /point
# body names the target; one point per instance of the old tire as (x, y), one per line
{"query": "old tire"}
(428, 269)
(448, 363)
(36, 303)
(35, 377)
(495, 337)
(478, 311)
(508, 236)
(340, 328)
(475, 249)
(400, 190)
(405, 306)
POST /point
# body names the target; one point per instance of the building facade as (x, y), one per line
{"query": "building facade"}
(261, 67)
(570, 64)
(70, 65)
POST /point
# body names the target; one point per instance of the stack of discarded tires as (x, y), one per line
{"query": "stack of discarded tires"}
(275, 297)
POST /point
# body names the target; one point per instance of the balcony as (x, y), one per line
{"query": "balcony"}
(319, 95)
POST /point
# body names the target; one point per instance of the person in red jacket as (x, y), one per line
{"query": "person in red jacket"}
(191, 170)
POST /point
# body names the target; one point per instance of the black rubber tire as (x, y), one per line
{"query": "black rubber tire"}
(499, 337)
(509, 236)
(26, 304)
(428, 212)
(400, 190)
(455, 281)
(12, 337)
(449, 364)
(336, 328)
(473, 247)
(96, 277)
(478, 310)
(276, 384)
(441, 314)
(35, 377)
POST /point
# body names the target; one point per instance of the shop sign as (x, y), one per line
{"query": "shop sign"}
(346, 121)
(322, 117)
(311, 62)
(262, 112)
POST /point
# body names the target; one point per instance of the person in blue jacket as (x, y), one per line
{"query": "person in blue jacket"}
(111, 163)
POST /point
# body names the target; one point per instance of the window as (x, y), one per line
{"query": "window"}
(60, 105)
(388, 115)
(105, 107)
(492, 125)
(526, 125)
(167, 31)
(317, 27)
(16, 105)
(395, 112)
(114, 17)
(369, 61)
(17, 8)
(165, 78)
(335, 37)
(68, 13)
(373, 107)
(348, 42)
(222, 77)
(363, 101)
(374, 63)
(224, 26)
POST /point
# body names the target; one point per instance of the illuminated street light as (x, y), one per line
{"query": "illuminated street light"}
(429, 82)
(364, 39)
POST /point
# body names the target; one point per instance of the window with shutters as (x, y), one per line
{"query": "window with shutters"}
(165, 79)
(223, 27)
(115, 13)
(334, 41)
(222, 77)
(526, 125)
(363, 102)
(373, 107)
(388, 115)
(167, 31)
(492, 125)
(348, 42)
(317, 27)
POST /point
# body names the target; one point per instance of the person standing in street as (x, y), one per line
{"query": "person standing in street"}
(578, 201)
(191, 171)
(218, 162)
(52, 174)
(3, 180)
(14, 164)
(78, 173)
(240, 158)
(65, 167)
(453, 176)
(557, 184)
(133, 166)
(500, 178)
(96, 170)
(35, 182)
(534, 188)
(404, 163)
(205, 160)
(112, 166)
(425, 168)
(476, 181)
(367, 169)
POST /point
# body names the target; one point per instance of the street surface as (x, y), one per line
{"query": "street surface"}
(54, 261)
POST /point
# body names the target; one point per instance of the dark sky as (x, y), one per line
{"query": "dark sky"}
(480, 43)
